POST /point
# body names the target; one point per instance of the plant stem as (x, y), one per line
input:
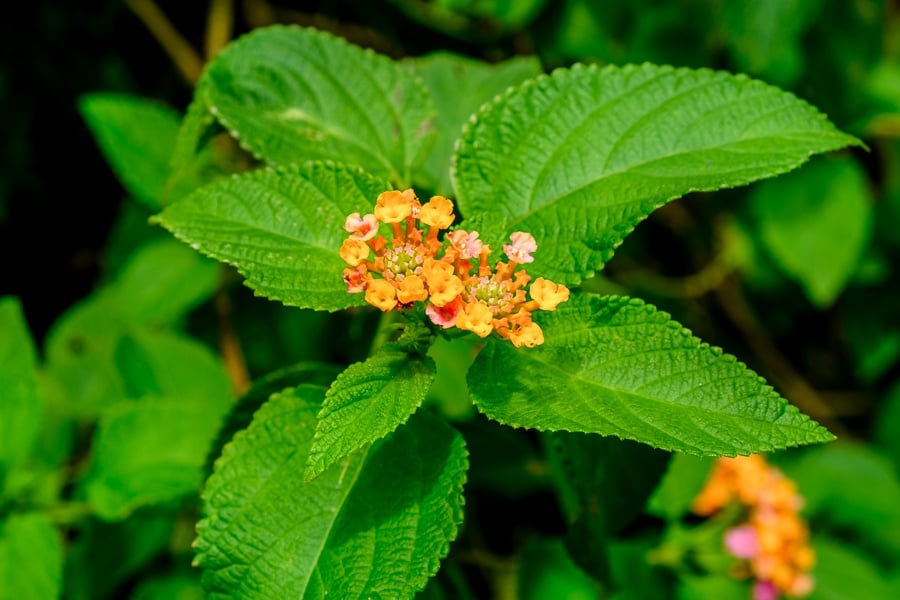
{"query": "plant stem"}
(176, 46)
(219, 26)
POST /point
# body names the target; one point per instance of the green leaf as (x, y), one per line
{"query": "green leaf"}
(682, 482)
(137, 137)
(617, 366)
(587, 468)
(241, 414)
(366, 402)
(21, 404)
(547, 571)
(580, 157)
(179, 586)
(153, 450)
(842, 574)
(291, 95)
(765, 36)
(816, 224)
(31, 558)
(105, 556)
(148, 453)
(281, 228)
(375, 525)
(459, 85)
(164, 280)
(830, 479)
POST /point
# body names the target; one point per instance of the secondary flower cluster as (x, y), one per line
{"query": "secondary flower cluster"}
(774, 539)
(460, 288)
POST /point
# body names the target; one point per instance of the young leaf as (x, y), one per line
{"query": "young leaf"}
(580, 157)
(281, 228)
(291, 95)
(137, 137)
(21, 405)
(366, 402)
(31, 558)
(459, 85)
(801, 217)
(146, 453)
(162, 281)
(153, 449)
(617, 366)
(373, 526)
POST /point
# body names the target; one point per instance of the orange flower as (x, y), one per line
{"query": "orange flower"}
(354, 251)
(392, 207)
(411, 289)
(774, 538)
(460, 287)
(529, 335)
(381, 294)
(548, 294)
(477, 318)
(437, 212)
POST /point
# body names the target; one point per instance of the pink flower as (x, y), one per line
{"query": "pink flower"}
(765, 590)
(467, 244)
(361, 228)
(522, 246)
(742, 542)
(445, 316)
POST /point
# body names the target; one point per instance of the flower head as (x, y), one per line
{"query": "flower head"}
(773, 538)
(459, 287)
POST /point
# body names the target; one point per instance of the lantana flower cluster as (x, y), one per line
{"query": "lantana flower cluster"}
(773, 541)
(459, 288)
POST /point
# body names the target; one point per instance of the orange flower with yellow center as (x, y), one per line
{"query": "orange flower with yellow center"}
(459, 288)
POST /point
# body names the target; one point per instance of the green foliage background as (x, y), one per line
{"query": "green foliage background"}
(116, 398)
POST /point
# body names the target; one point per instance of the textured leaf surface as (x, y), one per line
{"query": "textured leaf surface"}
(137, 137)
(460, 85)
(616, 366)
(291, 95)
(816, 224)
(366, 402)
(580, 157)
(281, 228)
(373, 526)
(21, 405)
(31, 558)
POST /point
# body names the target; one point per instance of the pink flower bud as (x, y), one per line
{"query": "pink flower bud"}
(522, 246)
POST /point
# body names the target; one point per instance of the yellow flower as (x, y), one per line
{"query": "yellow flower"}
(381, 294)
(354, 251)
(411, 289)
(548, 294)
(392, 207)
(477, 318)
(437, 212)
(529, 335)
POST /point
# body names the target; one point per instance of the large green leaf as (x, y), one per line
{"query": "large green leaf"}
(580, 157)
(459, 85)
(373, 526)
(137, 137)
(31, 558)
(291, 95)
(366, 402)
(816, 224)
(153, 449)
(281, 228)
(21, 405)
(617, 366)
